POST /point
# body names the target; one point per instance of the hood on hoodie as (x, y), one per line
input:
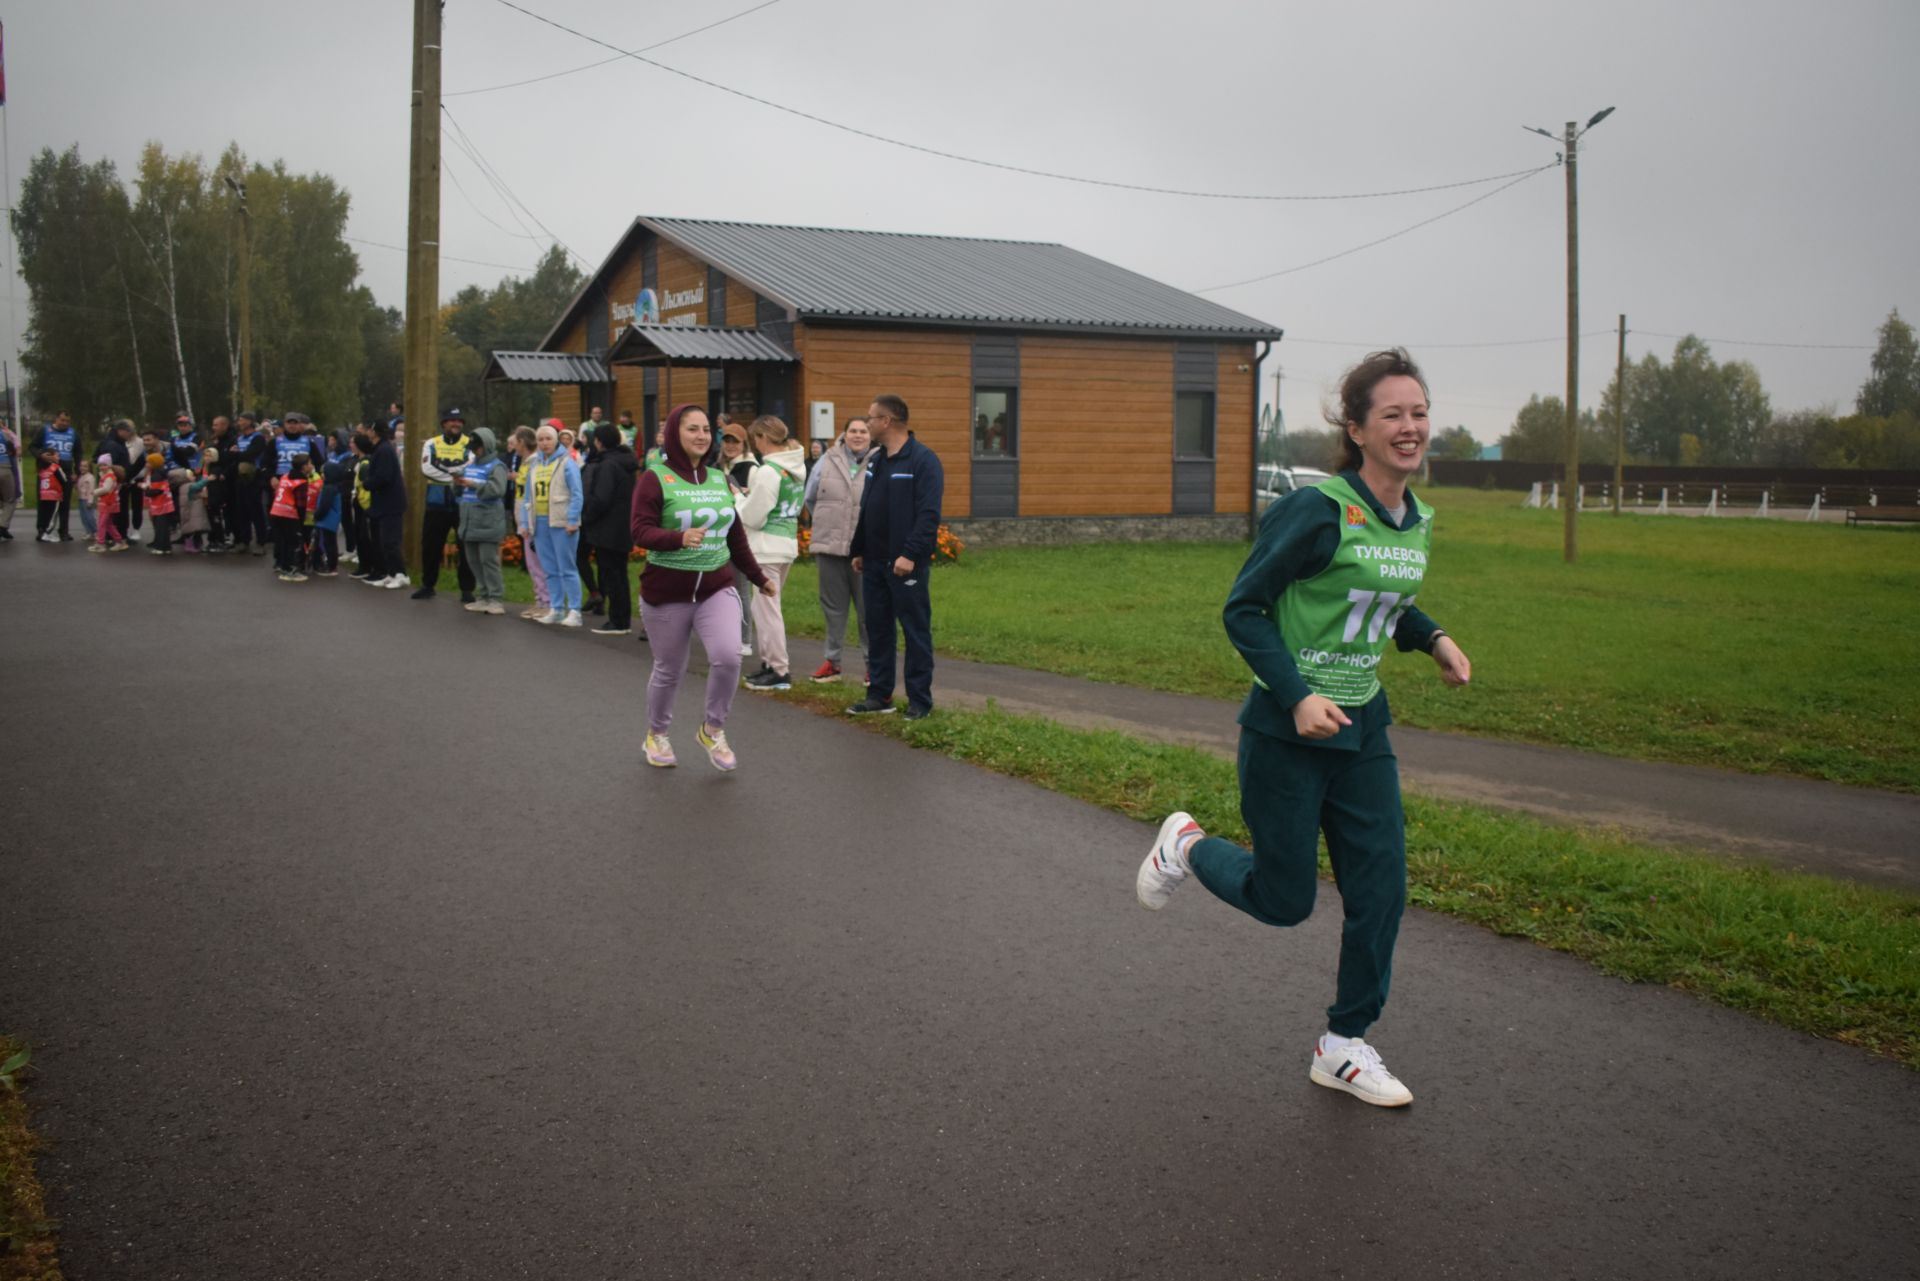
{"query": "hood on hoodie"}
(677, 454)
(791, 459)
(483, 437)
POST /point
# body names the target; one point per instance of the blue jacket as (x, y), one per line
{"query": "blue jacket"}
(902, 499)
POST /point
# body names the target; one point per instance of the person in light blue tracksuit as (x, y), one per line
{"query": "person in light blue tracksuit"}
(555, 496)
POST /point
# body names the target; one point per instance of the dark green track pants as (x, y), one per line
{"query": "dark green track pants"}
(1290, 793)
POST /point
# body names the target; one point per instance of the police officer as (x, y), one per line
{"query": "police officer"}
(441, 460)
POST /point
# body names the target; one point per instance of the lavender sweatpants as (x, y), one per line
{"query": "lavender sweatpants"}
(670, 631)
(534, 570)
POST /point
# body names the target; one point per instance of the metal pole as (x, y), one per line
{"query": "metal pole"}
(423, 265)
(246, 304)
(13, 318)
(1571, 485)
(1620, 418)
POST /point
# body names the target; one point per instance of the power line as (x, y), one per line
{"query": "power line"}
(1317, 262)
(1429, 346)
(574, 71)
(500, 184)
(459, 187)
(996, 164)
(400, 249)
(1748, 342)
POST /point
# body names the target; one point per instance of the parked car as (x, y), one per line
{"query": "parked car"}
(1278, 482)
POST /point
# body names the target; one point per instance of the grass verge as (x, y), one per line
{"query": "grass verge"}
(1833, 959)
(27, 1251)
(1761, 645)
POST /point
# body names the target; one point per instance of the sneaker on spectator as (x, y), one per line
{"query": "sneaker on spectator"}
(549, 618)
(746, 650)
(767, 678)
(572, 619)
(1356, 1068)
(475, 607)
(398, 582)
(495, 607)
(871, 706)
(826, 672)
(613, 631)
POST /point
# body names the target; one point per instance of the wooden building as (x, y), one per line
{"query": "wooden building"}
(1067, 397)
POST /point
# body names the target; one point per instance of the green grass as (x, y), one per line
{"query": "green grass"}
(1826, 957)
(27, 1250)
(1766, 646)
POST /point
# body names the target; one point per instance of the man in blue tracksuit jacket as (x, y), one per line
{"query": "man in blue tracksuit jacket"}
(892, 551)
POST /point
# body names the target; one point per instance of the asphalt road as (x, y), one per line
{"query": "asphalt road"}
(357, 942)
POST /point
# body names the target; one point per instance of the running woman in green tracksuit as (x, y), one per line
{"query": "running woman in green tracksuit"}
(1333, 576)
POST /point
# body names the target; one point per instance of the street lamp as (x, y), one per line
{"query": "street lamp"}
(1569, 143)
(239, 190)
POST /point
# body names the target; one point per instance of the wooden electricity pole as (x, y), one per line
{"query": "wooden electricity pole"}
(423, 266)
(246, 301)
(1620, 418)
(1570, 488)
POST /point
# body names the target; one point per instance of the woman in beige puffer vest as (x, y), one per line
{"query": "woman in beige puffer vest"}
(833, 496)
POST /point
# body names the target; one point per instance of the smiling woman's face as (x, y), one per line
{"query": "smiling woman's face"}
(1394, 437)
(696, 434)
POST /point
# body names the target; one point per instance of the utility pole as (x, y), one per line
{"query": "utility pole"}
(239, 189)
(423, 266)
(1570, 485)
(1620, 418)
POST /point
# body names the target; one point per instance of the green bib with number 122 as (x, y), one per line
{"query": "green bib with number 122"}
(687, 506)
(1339, 621)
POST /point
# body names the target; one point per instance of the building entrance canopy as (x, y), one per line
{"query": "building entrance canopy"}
(703, 345)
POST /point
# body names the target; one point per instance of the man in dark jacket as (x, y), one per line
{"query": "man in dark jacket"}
(892, 551)
(246, 458)
(387, 508)
(606, 524)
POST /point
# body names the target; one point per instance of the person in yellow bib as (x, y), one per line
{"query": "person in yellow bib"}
(1333, 577)
(554, 498)
(683, 514)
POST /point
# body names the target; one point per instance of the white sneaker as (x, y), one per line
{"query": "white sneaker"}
(1165, 867)
(495, 607)
(746, 651)
(572, 619)
(1356, 1068)
(475, 607)
(549, 618)
(397, 582)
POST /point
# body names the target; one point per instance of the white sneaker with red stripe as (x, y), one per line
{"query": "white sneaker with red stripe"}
(1356, 1068)
(1166, 863)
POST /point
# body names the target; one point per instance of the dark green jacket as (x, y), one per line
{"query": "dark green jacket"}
(1297, 539)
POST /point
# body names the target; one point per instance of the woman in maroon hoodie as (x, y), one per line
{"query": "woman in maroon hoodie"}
(683, 516)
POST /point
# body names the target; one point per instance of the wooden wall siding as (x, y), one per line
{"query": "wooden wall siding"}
(931, 371)
(630, 392)
(1235, 415)
(742, 306)
(566, 405)
(1096, 427)
(624, 279)
(679, 271)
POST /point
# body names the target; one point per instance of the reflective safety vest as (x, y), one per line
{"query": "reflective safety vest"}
(362, 496)
(450, 458)
(159, 498)
(106, 499)
(287, 497)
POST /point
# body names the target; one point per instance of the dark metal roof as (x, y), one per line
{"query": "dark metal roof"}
(872, 275)
(543, 367)
(696, 344)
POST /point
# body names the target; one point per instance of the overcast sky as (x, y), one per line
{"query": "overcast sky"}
(1759, 180)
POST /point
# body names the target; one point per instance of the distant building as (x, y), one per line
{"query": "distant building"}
(1068, 397)
(1490, 453)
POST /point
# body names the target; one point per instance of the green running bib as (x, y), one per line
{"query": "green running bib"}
(687, 506)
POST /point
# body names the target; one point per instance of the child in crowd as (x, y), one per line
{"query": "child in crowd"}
(106, 501)
(484, 484)
(51, 491)
(86, 492)
(161, 511)
(290, 502)
(208, 489)
(193, 510)
(324, 513)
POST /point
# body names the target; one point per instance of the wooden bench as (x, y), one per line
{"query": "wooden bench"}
(1890, 515)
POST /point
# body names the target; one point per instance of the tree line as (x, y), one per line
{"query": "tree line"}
(134, 291)
(1693, 410)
